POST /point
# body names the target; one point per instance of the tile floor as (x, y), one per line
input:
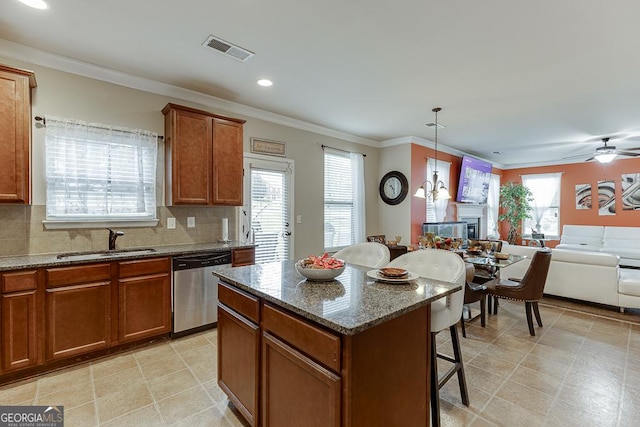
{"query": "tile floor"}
(580, 369)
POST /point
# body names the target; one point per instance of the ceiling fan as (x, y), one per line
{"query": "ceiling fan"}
(607, 153)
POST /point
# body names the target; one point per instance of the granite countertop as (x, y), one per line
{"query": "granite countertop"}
(51, 260)
(350, 304)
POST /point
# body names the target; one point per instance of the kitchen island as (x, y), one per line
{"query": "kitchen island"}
(351, 352)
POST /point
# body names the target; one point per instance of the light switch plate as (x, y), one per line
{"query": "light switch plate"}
(298, 219)
(171, 223)
(191, 221)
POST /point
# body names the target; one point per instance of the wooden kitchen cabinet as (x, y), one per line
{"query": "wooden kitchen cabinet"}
(78, 310)
(144, 298)
(239, 350)
(203, 155)
(244, 256)
(15, 134)
(21, 307)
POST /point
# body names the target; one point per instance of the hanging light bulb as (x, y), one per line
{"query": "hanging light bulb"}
(438, 190)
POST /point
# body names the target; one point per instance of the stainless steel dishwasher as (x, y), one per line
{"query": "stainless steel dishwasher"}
(195, 292)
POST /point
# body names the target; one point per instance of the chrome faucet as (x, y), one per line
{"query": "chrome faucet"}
(113, 235)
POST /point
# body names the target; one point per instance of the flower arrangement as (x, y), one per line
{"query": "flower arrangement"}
(430, 240)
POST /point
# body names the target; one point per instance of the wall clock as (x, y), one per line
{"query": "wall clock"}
(394, 187)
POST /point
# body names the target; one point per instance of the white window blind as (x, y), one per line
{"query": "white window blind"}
(338, 201)
(99, 173)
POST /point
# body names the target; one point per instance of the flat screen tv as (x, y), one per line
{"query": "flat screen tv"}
(475, 177)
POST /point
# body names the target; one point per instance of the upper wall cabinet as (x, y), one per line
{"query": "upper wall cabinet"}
(203, 154)
(15, 134)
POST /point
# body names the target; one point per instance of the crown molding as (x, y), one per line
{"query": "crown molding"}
(43, 58)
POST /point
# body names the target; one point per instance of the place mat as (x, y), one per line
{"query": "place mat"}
(630, 315)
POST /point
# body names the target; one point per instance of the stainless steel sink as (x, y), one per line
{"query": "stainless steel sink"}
(104, 254)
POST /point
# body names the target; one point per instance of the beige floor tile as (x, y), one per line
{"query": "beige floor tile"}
(550, 354)
(164, 365)
(122, 402)
(215, 393)
(509, 354)
(154, 353)
(113, 364)
(563, 414)
(117, 381)
(505, 413)
(184, 404)
(537, 380)
(525, 397)
(81, 416)
(188, 343)
(587, 399)
(210, 417)
(65, 378)
(493, 365)
(482, 380)
(453, 415)
(147, 416)
(481, 422)
(204, 353)
(607, 381)
(14, 394)
(69, 397)
(205, 371)
(173, 383)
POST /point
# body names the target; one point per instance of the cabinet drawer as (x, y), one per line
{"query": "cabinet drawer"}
(239, 301)
(318, 344)
(143, 267)
(20, 281)
(65, 276)
(243, 257)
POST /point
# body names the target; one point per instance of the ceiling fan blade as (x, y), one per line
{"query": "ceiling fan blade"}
(627, 153)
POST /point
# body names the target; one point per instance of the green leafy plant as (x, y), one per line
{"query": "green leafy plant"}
(515, 202)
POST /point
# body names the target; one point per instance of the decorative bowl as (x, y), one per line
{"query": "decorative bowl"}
(501, 255)
(319, 274)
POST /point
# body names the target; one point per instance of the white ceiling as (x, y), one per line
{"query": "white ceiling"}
(536, 81)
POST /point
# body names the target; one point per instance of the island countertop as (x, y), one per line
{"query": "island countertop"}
(350, 304)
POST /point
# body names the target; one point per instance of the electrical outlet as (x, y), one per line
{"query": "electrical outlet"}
(171, 223)
(191, 221)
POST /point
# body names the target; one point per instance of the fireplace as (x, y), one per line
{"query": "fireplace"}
(475, 217)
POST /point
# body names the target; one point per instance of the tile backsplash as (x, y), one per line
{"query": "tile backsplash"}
(22, 231)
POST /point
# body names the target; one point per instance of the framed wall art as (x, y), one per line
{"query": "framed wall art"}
(268, 147)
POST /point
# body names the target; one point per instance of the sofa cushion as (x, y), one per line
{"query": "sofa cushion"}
(582, 235)
(629, 282)
(590, 258)
(622, 252)
(579, 247)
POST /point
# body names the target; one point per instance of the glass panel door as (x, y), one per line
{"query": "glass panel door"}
(267, 208)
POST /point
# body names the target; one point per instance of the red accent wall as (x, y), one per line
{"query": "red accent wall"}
(585, 173)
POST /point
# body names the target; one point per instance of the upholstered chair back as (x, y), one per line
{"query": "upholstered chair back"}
(368, 254)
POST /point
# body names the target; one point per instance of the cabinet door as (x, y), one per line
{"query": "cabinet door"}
(238, 356)
(19, 330)
(227, 163)
(144, 307)
(15, 134)
(188, 157)
(296, 391)
(78, 319)
(245, 256)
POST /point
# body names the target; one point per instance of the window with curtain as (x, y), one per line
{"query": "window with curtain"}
(437, 211)
(99, 173)
(545, 216)
(493, 207)
(344, 204)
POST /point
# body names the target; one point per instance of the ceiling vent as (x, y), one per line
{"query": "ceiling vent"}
(236, 52)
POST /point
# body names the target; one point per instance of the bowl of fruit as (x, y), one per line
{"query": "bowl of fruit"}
(321, 268)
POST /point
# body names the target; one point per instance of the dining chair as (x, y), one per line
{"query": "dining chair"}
(528, 289)
(474, 293)
(445, 314)
(368, 254)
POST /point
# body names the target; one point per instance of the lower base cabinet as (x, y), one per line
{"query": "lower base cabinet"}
(19, 330)
(238, 361)
(296, 391)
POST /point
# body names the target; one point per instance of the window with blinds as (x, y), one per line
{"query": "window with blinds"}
(99, 173)
(338, 201)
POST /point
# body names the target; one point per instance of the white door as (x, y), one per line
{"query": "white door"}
(266, 214)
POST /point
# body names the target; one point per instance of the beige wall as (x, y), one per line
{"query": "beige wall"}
(397, 158)
(68, 95)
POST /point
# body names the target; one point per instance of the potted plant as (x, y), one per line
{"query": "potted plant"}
(515, 202)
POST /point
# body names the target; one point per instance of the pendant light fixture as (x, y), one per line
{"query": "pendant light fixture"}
(438, 190)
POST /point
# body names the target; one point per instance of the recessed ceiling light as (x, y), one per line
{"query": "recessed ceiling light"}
(36, 4)
(265, 82)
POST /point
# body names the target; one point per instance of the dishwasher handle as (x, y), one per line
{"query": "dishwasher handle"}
(200, 261)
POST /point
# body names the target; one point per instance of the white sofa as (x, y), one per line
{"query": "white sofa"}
(621, 241)
(582, 275)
